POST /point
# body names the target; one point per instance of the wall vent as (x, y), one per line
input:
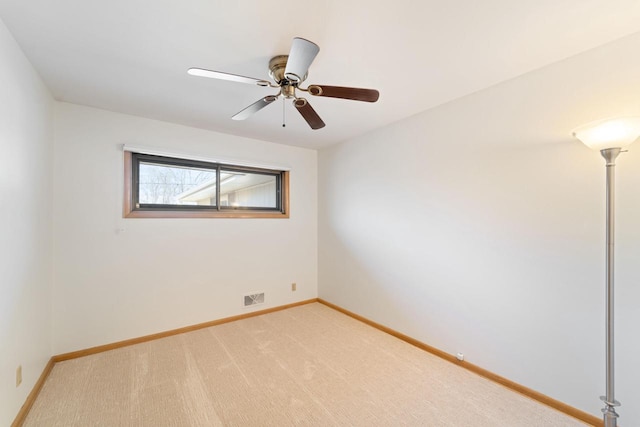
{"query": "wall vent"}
(254, 299)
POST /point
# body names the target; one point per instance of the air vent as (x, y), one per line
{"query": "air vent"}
(254, 299)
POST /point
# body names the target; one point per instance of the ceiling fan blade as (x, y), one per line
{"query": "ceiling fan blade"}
(226, 76)
(356, 94)
(255, 107)
(308, 113)
(301, 55)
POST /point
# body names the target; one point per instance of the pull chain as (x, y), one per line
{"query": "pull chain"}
(283, 125)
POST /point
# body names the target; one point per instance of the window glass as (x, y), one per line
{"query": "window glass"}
(176, 185)
(247, 190)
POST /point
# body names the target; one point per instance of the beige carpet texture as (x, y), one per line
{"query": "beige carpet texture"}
(305, 366)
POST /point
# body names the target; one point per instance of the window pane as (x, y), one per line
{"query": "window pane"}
(247, 190)
(176, 185)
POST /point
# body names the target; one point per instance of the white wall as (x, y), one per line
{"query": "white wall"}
(25, 222)
(478, 227)
(121, 278)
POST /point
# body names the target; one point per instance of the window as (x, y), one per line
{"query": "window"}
(168, 187)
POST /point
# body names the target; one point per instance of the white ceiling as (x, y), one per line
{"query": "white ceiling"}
(131, 56)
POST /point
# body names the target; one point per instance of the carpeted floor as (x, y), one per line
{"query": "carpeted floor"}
(306, 366)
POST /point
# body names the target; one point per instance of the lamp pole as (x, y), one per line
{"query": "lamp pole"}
(609, 411)
(610, 137)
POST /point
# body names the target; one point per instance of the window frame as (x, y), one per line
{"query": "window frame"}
(131, 208)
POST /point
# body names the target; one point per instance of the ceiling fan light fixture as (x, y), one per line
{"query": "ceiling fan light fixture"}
(301, 55)
(293, 78)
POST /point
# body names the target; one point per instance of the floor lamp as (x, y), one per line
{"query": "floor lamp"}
(609, 137)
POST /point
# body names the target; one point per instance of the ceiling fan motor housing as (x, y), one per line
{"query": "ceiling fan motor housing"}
(277, 65)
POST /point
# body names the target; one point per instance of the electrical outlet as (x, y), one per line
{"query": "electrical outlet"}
(19, 376)
(460, 357)
(293, 286)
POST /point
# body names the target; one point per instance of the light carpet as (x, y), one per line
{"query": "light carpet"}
(305, 366)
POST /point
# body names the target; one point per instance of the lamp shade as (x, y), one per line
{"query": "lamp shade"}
(611, 133)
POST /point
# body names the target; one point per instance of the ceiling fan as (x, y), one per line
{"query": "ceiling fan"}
(288, 72)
